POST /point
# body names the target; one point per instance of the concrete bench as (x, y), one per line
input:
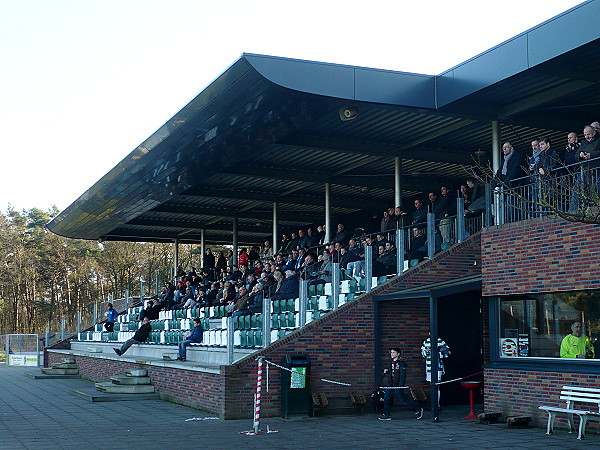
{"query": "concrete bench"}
(588, 397)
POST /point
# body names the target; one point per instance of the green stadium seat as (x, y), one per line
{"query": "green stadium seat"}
(413, 262)
(258, 341)
(275, 321)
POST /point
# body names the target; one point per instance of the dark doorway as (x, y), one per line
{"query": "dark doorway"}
(459, 324)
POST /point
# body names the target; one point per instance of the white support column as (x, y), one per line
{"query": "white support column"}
(327, 238)
(202, 246)
(235, 241)
(275, 239)
(175, 259)
(495, 146)
(397, 182)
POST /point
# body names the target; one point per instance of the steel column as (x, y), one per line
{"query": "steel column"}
(327, 238)
(397, 181)
(275, 239)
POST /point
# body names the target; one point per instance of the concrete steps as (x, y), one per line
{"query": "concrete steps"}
(135, 381)
(113, 388)
(93, 395)
(67, 368)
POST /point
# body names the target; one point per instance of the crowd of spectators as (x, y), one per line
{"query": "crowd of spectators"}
(240, 284)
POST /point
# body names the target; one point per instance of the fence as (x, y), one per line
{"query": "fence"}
(22, 349)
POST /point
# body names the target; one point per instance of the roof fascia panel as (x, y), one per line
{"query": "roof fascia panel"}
(347, 82)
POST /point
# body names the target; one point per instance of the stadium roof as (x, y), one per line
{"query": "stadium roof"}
(269, 130)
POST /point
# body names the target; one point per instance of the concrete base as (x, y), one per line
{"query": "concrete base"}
(136, 372)
(64, 366)
(93, 395)
(53, 371)
(50, 377)
(123, 379)
(125, 388)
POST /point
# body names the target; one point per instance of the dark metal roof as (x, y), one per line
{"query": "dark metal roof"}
(268, 129)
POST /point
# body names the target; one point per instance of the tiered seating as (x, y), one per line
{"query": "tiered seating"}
(172, 326)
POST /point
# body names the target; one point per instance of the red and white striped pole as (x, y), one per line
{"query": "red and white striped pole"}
(258, 389)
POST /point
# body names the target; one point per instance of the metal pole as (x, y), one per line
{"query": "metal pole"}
(202, 246)
(487, 216)
(257, 401)
(397, 182)
(175, 259)
(335, 285)
(327, 238)
(95, 312)
(266, 322)
(495, 146)
(141, 290)
(433, 336)
(78, 322)
(399, 250)
(430, 235)
(235, 241)
(275, 239)
(126, 298)
(230, 331)
(303, 295)
(460, 219)
(47, 342)
(368, 267)
(62, 329)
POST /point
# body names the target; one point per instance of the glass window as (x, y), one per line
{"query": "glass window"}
(555, 325)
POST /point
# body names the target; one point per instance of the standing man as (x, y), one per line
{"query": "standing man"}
(512, 164)
(111, 317)
(576, 344)
(194, 337)
(141, 335)
(396, 375)
(443, 353)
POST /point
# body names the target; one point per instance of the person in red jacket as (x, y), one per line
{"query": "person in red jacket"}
(243, 258)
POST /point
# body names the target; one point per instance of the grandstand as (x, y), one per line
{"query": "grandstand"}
(276, 144)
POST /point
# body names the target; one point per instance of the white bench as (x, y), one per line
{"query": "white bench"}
(580, 395)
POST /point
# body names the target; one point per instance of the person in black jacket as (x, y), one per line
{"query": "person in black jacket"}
(141, 335)
(396, 374)
(512, 165)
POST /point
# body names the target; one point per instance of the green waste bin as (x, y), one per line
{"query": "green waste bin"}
(295, 385)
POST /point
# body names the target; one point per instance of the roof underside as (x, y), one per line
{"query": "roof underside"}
(269, 130)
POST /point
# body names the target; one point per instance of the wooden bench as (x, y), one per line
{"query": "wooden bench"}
(579, 395)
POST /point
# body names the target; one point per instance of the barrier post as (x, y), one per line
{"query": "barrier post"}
(303, 295)
(230, 331)
(430, 235)
(399, 250)
(258, 392)
(335, 285)
(368, 268)
(266, 325)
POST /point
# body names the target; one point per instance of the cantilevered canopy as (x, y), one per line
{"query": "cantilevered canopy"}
(269, 130)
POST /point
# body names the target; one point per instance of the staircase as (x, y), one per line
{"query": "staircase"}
(135, 381)
(67, 368)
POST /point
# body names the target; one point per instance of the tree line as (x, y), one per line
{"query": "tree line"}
(45, 278)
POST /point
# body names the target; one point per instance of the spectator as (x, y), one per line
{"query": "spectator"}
(512, 165)
(447, 211)
(355, 259)
(323, 275)
(571, 150)
(278, 278)
(243, 257)
(141, 335)
(396, 374)
(291, 262)
(311, 238)
(536, 155)
(400, 218)
(220, 265)
(302, 239)
(385, 222)
(548, 160)
(321, 234)
(230, 259)
(294, 241)
(151, 310)
(341, 236)
(111, 317)
(267, 251)
(238, 305)
(195, 337)
(209, 261)
(290, 287)
(286, 245)
(590, 147)
(387, 257)
(420, 215)
(253, 255)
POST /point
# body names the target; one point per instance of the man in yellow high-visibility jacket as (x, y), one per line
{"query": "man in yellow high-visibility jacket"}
(576, 345)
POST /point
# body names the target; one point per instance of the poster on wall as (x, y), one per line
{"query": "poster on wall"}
(523, 345)
(22, 360)
(298, 380)
(509, 347)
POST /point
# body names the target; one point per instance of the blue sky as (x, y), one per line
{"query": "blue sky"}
(85, 81)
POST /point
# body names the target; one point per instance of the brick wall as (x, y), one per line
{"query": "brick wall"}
(520, 392)
(341, 346)
(540, 255)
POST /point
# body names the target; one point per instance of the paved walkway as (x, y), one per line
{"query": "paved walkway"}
(43, 414)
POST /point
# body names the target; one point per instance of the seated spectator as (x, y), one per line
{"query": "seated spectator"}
(323, 275)
(238, 305)
(355, 259)
(418, 245)
(266, 281)
(267, 251)
(254, 255)
(195, 337)
(291, 261)
(250, 281)
(258, 268)
(151, 310)
(294, 241)
(278, 278)
(300, 259)
(255, 301)
(290, 287)
(141, 335)
(387, 257)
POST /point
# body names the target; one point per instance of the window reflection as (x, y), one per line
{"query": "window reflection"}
(538, 325)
